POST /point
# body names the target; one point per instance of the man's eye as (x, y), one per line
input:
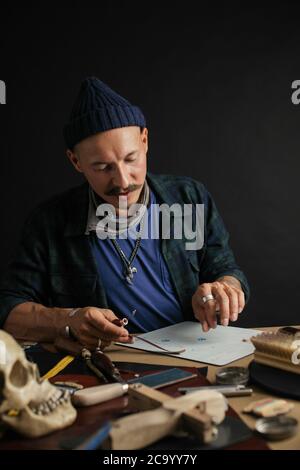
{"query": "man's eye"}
(101, 167)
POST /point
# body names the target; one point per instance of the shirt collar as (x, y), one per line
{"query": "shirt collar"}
(93, 220)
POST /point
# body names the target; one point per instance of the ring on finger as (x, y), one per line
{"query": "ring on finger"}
(207, 297)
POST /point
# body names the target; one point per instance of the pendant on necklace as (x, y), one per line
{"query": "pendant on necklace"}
(130, 271)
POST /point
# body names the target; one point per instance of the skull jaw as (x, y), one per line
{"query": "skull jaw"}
(30, 424)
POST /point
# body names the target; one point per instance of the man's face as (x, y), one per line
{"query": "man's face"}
(114, 163)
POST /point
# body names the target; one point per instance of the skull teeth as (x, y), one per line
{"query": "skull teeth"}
(54, 401)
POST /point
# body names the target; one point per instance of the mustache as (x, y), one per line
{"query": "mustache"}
(117, 190)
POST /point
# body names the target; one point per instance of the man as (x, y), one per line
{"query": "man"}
(66, 281)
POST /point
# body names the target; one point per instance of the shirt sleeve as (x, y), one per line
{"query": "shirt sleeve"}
(218, 257)
(25, 279)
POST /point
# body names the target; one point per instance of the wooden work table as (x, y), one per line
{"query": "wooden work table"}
(90, 419)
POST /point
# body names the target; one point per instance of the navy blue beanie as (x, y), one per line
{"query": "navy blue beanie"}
(98, 108)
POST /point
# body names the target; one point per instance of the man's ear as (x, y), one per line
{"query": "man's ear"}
(74, 160)
(144, 138)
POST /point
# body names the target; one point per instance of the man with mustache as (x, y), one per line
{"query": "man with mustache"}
(69, 280)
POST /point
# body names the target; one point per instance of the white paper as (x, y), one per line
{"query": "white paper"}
(218, 347)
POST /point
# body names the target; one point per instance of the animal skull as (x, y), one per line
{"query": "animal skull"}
(29, 405)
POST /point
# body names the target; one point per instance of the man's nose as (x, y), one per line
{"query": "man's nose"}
(121, 178)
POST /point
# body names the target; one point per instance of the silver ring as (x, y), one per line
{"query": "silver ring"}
(207, 297)
(99, 343)
(69, 333)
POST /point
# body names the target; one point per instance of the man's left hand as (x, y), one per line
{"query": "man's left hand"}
(228, 302)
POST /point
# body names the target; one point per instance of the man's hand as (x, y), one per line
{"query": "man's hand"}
(228, 302)
(89, 324)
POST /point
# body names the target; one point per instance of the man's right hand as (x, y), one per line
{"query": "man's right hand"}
(89, 324)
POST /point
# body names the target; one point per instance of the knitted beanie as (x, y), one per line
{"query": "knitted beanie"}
(98, 108)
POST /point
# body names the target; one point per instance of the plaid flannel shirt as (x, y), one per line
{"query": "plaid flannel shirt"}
(54, 265)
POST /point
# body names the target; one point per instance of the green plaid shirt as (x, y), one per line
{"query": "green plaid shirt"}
(54, 265)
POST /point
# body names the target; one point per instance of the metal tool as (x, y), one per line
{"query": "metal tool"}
(101, 365)
(226, 390)
(124, 322)
(232, 376)
(100, 393)
(277, 427)
(106, 366)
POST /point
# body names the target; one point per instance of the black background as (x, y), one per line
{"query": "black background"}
(215, 86)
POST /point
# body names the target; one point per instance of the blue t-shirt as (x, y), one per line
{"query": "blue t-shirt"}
(150, 302)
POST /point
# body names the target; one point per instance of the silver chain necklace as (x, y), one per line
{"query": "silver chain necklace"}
(129, 270)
